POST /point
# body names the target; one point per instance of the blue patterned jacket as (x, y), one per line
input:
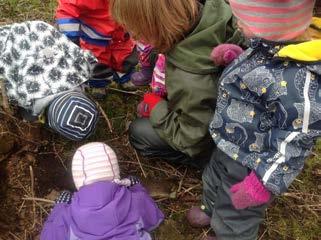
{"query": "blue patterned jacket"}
(268, 113)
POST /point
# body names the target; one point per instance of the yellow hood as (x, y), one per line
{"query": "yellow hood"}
(307, 51)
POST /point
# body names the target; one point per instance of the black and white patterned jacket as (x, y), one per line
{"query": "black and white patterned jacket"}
(37, 63)
(268, 113)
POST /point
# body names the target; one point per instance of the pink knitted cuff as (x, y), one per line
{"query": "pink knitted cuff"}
(158, 84)
(256, 189)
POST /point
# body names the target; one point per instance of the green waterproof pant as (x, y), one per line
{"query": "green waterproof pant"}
(228, 223)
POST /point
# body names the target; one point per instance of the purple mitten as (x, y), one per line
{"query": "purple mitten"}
(249, 193)
(225, 53)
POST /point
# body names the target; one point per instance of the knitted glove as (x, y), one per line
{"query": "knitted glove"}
(145, 107)
(133, 180)
(224, 54)
(249, 193)
(64, 197)
(127, 182)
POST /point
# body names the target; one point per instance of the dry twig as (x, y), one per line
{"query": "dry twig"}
(181, 182)
(32, 190)
(140, 164)
(189, 189)
(38, 200)
(14, 236)
(58, 156)
(105, 117)
(261, 237)
(126, 92)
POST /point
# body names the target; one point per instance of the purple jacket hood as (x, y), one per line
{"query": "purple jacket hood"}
(108, 211)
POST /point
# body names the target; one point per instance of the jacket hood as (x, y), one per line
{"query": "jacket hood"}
(216, 26)
(100, 211)
(306, 51)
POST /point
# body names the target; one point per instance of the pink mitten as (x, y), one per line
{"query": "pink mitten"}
(225, 53)
(249, 193)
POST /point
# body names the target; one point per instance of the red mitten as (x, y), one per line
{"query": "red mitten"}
(249, 193)
(225, 53)
(145, 107)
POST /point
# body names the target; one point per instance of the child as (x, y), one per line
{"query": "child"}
(104, 207)
(42, 72)
(147, 60)
(90, 24)
(267, 117)
(176, 128)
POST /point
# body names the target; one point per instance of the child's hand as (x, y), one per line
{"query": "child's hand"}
(249, 193)
(145, 107)
(127, 182)
(224, 54)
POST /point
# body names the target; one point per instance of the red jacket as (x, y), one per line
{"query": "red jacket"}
(91, 23)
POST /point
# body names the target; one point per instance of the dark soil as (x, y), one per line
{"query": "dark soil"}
(35, 166)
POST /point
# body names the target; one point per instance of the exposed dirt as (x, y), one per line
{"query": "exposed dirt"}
(35, 166)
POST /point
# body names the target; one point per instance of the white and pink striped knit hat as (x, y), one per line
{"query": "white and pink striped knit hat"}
(94, 162)
(275, 20)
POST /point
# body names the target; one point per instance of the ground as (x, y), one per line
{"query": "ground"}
(35, 166)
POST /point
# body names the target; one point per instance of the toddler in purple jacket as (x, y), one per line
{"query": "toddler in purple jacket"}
(105, 207)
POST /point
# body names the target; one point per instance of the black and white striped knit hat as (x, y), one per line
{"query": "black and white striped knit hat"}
(73, 115)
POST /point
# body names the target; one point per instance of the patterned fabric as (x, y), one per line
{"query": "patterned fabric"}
(37, 62)
(144, 51)
(64, 197)
(273, 20)
(268, 114)
(73, 115)
(158, 80)
(94, 162)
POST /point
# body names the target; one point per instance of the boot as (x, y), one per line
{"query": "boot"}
(124, 81)
(197, 217)
(143, 77)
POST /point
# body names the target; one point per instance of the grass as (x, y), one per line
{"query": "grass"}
(295, 216)
(19, 10)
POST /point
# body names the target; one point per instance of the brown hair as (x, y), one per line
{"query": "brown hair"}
(161, 23)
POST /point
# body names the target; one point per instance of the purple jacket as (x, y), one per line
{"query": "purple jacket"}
(104, 211)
